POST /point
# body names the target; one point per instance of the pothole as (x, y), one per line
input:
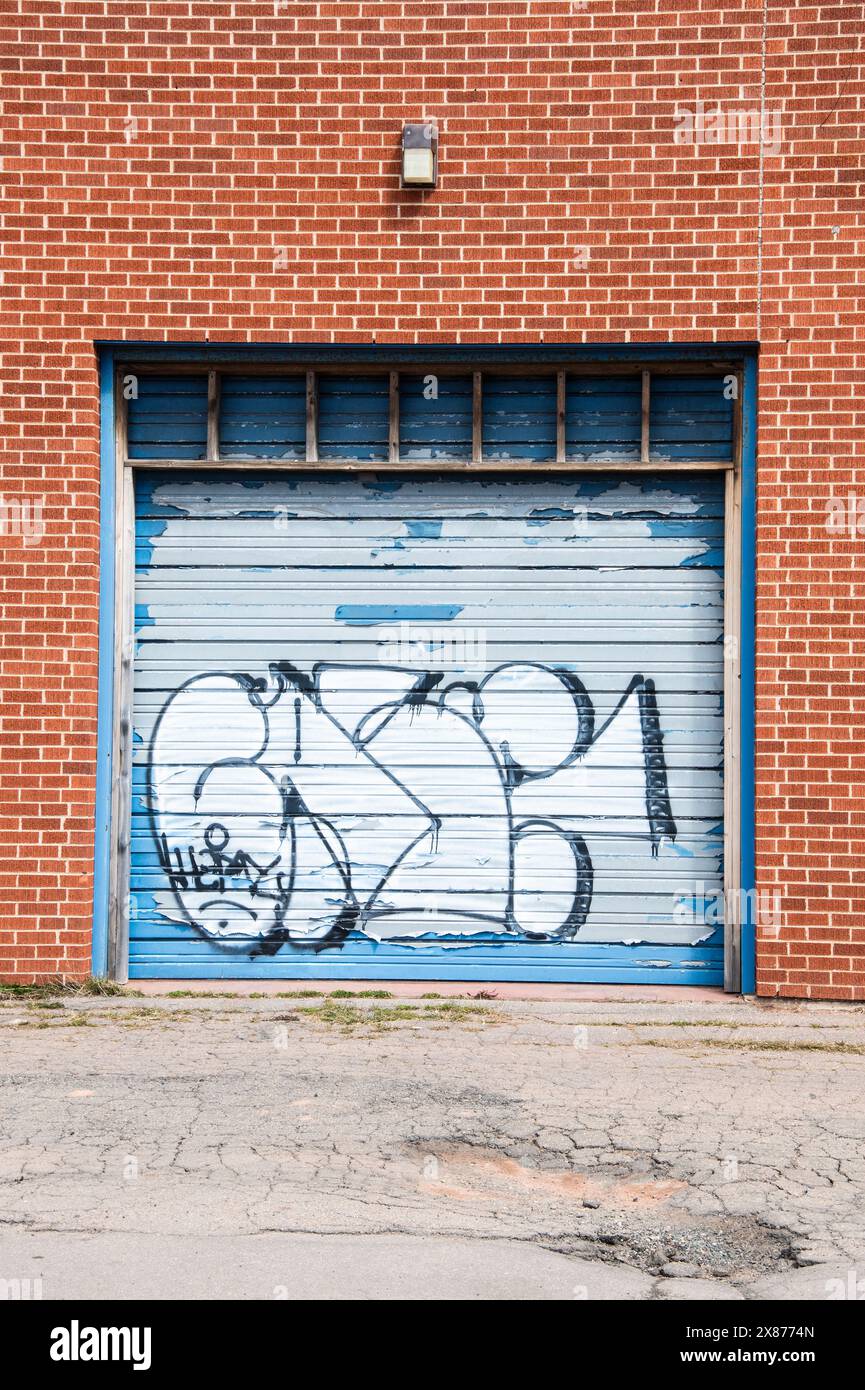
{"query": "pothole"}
(618, 1213)
(735, 1248)
(471, 1171)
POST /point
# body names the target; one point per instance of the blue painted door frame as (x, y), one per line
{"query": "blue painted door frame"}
(112, 353)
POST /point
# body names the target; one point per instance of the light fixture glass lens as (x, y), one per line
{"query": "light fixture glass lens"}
(417, 166)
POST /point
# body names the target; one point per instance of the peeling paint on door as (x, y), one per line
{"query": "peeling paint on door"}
(517, 808)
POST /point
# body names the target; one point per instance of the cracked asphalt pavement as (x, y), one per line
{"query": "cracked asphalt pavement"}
(301, 1147)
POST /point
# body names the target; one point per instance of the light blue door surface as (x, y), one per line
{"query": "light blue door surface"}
(428, 726)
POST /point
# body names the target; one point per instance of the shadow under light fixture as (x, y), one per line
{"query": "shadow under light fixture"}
(420, 151)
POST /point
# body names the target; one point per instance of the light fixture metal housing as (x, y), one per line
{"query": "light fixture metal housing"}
(420, 144)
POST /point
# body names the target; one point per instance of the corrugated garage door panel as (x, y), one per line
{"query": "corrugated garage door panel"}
(265, 417)
(435, 417)
(603, 418)
(519, 417)
(262, 417)
(432, 727)
(691, 418)
(353, 417)
(168, 418)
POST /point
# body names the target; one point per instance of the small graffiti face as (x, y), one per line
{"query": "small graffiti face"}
(368, 799)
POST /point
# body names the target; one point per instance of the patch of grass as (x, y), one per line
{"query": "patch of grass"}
(78, 1021)
(360, 994)
(146, 1011)
(676, 1023)
(432, 996)
(454, 1008)
(759, 1045)
(330, 1012)
(348, 1016)
(292, 994)
(71, 989)
(336, 1015)
(163, 1015)
(697, 1023)
(199, 994)
(101, 989)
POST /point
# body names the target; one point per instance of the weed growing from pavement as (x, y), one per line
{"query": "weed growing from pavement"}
(293, 994)
(758, 1045)
(695, 1023)
(203, 994)
(348, 1017)
(361, 994)
(70, 989)
(281, 994)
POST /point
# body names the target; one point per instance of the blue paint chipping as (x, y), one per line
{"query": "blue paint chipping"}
(542, 516)
(691, 417)
(146, 487)
(603, 418)
(263, 417)
(354, 417)
(383, 487)
(706, 558)
(366, 614)
(424, 529)
(168, 418)
(435, 417)
(519, 418)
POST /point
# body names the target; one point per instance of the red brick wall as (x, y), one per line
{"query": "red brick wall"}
(198, 167)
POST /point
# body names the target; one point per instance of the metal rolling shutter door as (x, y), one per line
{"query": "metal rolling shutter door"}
(434, 727)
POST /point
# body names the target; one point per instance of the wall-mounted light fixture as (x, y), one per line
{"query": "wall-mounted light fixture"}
(420, 155)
